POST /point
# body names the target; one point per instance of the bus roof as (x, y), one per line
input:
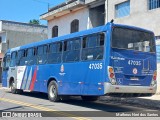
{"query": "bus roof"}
(74, 35)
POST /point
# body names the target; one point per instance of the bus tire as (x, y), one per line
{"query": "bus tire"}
(89, 98)
(53, 92)
(13, 88)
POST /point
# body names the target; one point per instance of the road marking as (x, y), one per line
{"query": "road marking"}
(43, 108)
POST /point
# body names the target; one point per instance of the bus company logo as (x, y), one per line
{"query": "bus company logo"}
(135, 71)
(62, 68)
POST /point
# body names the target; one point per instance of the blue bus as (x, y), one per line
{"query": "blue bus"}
(112, 59)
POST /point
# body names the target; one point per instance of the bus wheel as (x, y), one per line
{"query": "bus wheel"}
(53, 92)
(89, 98)
(13, 88)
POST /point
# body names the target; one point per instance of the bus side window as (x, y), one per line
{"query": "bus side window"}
(76, 44)
(4, 62)
(71, 50)
(93, 47)
(42, 53)
(21, 57)
(65, 46)
(40, 50)
(59, 46)
(45, 49)
(53, 48)
(5, 67)
(35, 51)
(92, 41)
(30, 52)
(84, 42)
(55, 52)
(31, 56)
(101, 39)
(100, 46)
(13, 59)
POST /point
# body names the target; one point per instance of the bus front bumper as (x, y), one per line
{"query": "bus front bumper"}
(109, 88)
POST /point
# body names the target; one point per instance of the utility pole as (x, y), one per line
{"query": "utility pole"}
(48, 6)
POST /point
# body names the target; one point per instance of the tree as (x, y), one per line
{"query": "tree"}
(34, 21)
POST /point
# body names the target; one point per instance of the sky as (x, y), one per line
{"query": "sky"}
(25, 10)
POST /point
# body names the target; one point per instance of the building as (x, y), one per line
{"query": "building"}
(13, 34)
(85, 14)
(76, 15)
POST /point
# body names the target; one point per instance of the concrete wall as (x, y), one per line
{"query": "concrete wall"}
(139, 15)
(16, 34)
(97, 16)
(23, 27)
(63, 22)
(17, 38)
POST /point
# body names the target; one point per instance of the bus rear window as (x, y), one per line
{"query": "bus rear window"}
(124, 38)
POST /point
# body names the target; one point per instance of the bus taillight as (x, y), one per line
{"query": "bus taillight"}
(155, 75)
(154, 78)
(111, 75)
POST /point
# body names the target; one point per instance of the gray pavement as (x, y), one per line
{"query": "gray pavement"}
(152, 102)
(33, 101)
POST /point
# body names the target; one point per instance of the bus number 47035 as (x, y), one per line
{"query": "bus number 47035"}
(95, 66)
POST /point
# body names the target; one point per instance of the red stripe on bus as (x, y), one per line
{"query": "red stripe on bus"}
(33, 79)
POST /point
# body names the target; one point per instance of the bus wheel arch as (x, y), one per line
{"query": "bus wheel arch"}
(12, 85)
(11, 80)
(14, 90)
(52, 90)
(51, 79)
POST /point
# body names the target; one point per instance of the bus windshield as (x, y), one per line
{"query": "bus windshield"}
(124, 38)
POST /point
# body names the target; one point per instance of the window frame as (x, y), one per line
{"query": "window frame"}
(31, 52)
(15, 55)
(71, 46)
(74, 26)
(7, 62)
(131, 30)
(55, 31)
(97, 40)
(116, 9)
(152, 4)
(59, 49)
(98, 45)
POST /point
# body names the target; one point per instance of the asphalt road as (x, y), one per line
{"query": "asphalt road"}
(72, 108)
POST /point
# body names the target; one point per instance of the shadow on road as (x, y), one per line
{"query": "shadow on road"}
(102, 105)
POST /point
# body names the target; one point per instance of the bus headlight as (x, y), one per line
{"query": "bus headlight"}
(154, 79)
(111, 75)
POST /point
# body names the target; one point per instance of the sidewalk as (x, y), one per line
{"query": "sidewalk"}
(152, 102)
